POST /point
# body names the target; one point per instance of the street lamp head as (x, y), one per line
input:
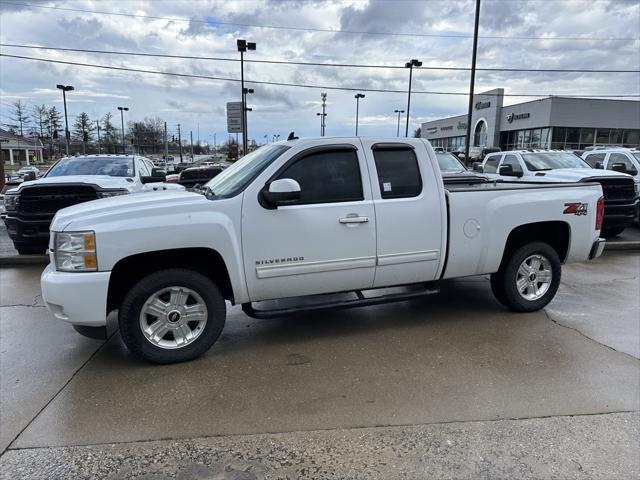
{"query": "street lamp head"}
(126, 109)
(242, 45)
(398, 111)
(66, 88)
(247, 90)
(251, 46)
(359, 95)
(413, 63)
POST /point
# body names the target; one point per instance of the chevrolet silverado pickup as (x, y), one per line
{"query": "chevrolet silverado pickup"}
(31, 206)
(303, 218)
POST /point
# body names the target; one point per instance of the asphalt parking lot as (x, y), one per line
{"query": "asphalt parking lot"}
(452, 386)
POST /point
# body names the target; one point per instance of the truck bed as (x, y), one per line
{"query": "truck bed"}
(452, 185)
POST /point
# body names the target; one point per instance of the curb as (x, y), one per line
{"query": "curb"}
(20, 260)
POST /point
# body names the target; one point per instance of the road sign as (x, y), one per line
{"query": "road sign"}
(234, 117)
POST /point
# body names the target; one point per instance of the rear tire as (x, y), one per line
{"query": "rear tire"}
(172, 316)
(529, 279)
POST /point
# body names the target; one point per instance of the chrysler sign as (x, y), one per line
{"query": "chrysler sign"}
(520, 116)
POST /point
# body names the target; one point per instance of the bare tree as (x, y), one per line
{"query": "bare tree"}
(40, 118)
(20, 116)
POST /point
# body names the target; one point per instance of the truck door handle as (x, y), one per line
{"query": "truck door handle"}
(353, 218)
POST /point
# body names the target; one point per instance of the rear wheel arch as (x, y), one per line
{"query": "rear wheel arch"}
(557, 234)
(130, 270)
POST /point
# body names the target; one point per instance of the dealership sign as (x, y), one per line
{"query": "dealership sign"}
(481, 105)
(520, 116)
(462, 126)
(234, 117)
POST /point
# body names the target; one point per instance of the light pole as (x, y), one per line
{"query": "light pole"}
(472, 80)
(99, 146)
(122, 110)
(323, 96)
(321, 115)
(243, 46)
(65, 89)
(398, 129)
(358, 96)
(410, 65)
(277, 137)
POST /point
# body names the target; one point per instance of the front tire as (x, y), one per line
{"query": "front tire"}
(172, 316)
(529, 279)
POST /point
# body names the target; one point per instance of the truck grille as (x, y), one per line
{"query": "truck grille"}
(616, 190)
(47, 200)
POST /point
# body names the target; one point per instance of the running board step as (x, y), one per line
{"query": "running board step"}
(361, 301)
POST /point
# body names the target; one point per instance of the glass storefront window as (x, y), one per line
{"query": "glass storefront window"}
(544, 138)
(602, 136)
(527, 139)
(520, 139)
(535, 138)
(573, 138)
(586, 137)
(615, 137)
(558, 137)
(631, 138)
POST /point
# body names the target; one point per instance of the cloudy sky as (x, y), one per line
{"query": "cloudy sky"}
(547, 34)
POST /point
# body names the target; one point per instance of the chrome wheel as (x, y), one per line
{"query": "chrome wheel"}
(173, 317)
(533, 277)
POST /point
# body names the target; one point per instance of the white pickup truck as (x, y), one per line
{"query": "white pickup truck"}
(307, 217)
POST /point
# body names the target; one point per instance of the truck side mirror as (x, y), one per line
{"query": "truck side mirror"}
(280, 192)
(157, 175)
(29, 176)
(619, 167)
(477, 167)
(599, 165)
(507, 171)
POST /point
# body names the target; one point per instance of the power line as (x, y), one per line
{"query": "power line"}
(318, 30)
(287, 62)
(299, 85)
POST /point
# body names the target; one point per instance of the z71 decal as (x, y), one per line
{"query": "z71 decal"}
(575, 208)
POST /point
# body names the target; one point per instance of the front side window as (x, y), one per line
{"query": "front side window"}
(327, 176)
(491, 165)
(513, 161)
(448, 163)
(620, 158)
(398, 172)
(112, 166)
(595, 158)
(539, 161)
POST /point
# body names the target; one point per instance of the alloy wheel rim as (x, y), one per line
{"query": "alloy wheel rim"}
(533, 277)
(173, 317)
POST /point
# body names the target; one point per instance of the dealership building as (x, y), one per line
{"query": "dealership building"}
(552, 122)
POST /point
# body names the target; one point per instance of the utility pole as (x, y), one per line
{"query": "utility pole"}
(243, 46)
(324, 114)
(99, 146)
(191, 142)
(65, 89)
(166, 145)
(180, 143)
(358, 96)
(472, 82)
(122, 110)
(410, 65)
(215, 144)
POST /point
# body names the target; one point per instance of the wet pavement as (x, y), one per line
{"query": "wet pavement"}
(451, 386)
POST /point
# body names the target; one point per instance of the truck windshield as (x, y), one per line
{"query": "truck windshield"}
(112, 166)
(448, 163)
(235, 179)
(552, 160)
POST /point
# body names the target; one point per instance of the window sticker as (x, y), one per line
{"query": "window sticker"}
(386, 186)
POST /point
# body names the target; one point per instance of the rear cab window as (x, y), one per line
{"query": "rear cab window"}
(398, 171)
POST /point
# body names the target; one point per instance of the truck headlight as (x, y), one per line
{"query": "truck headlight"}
(75, 251)
(111, 193)
(11, 202)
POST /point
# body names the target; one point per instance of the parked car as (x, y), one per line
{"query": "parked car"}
(308, 217)
(546, 166)
(31, 206)
(27, 170)
(452, 169)
(623, 160)
(196, 177)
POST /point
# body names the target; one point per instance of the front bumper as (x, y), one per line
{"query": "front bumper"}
(75, 297)
(616, 215)
(28, 232)
(597, 248)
